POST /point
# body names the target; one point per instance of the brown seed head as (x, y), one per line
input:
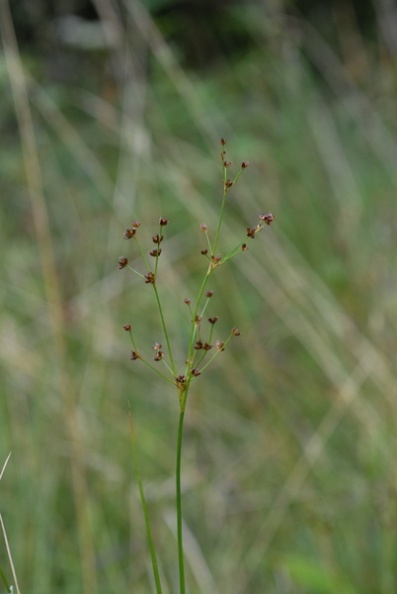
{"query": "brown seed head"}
(220, 345)
(209, 294)
(157, 238)
(207, 347)
(129, 233)
(163, 221)
(235, 331)
(196, 372)
(251, 232)
(127, 327)
(198, 345)
(228, 184)
(244, 164)
(122, 262)
(213, 320)
(150, 278)
(267, 218)
(244, 247)
(187, 301)
(159, 356)
(203, 227)
(204, 252)
(180, 379)
(226, 163)
(135, 355)
(135, 224)
(223, 141)
(155, 253)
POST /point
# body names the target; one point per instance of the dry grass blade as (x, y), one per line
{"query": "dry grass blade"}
(4, 466)
(14, 575)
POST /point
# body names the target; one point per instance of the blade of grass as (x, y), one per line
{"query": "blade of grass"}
(14, 575)
(2, 574)
(5, 465)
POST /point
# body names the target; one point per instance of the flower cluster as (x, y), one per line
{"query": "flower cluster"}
(202, 348)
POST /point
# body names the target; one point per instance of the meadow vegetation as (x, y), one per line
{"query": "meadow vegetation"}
(289, 474)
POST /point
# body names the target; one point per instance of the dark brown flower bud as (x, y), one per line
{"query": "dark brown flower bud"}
(209, 294)
(267, 218)
(135, 224)
(216, 259)
(196, 372)
(235, 331)
(127, 327)
(228, 184)
(220, 345)
(135, 355)
(204, 252)
(159, 356)
(180, 379)
(187, 301)
(213, 320)
(198, 345)
(157, 346)
(226, 163)
(122, 262)
(244, 164)
(198, 319)
(244, 247)
(150, 278)
(155, 253)
(163, 221)
(203, 227)
(223, 141)
(207, 347)
(129, 233)
(251, 232)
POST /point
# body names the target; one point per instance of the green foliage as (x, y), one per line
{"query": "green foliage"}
(307, 574)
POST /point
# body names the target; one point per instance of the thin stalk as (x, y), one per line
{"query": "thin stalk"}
(181, 561)
(149, 364)
(195, 312)
(149, 536)
(225, 191)
(218, 229)
(14, 575)
(165, 330)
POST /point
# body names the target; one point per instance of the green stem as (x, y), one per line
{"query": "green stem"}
(195, 312)
(165, 330)
(218, 230)
(181, 561)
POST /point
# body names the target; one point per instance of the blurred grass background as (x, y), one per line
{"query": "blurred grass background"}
(112, 111)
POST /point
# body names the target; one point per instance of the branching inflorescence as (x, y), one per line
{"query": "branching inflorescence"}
(202, 347)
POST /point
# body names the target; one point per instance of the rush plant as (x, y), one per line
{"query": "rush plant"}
(203, 346)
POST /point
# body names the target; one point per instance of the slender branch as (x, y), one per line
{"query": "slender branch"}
(165, 330)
